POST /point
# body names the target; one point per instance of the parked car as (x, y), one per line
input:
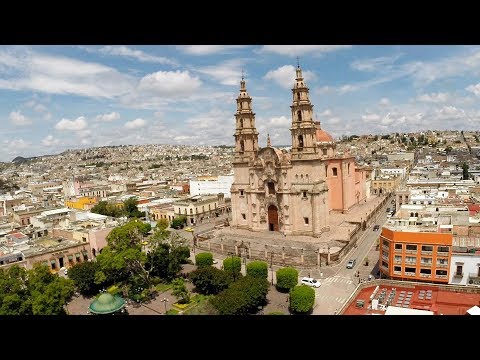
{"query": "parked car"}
(310, 281)
(351, 263)
(376, 227)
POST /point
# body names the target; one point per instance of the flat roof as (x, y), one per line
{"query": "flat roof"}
(408, 295)
(394, 310)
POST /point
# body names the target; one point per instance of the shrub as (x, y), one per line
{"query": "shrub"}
(257, 269)
(243, 297)
(232, 266)
(209, 280)
(287, 278)
(204, 259)
(302, 299)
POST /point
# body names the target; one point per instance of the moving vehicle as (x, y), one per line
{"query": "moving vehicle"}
(310, 282)
(351, 263)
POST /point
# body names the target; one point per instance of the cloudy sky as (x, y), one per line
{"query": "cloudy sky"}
(54, 98)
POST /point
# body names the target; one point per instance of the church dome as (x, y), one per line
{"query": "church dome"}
(322, 135)
(106, 304)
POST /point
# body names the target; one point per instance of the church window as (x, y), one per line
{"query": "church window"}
(244, 216)
(300, 141)
(242, 146)
(305, 220)
(334, 171)
(191, 211)
(326, 170)
(299, 115)
(241, 123)
(348, 169)
(271, 188)
(241, 192)
(298, 96)
(324, 151)
(304, 193)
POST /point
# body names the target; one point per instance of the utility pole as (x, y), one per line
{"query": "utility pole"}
(271, 264)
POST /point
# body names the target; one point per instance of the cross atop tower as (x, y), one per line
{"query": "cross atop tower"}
(298, 62)
(243, 78)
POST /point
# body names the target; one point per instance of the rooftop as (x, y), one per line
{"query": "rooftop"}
(391, 295)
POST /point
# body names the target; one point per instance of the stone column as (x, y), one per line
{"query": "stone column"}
(318, 257)
(302, 259)
(266, 254)
(236, 250)
(221, 247)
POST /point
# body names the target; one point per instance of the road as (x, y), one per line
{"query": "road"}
(338, 282)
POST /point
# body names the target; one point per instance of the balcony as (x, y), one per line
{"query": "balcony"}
(398, 251)
(425, 275)
(386, 248)
(458, 275)
(399, 273)
(411, 251)
(409, 273)
(473, 279)
(442, 265)
(385, 258)
(441, 276)
(426, 264)
(411, 263)
(425, 252)
(442, 253)
(397, 261)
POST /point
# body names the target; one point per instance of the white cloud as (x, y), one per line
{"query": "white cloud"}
(285, 76)
(280, 121)
(40, 108)
(17, 144)
(433, 97)
(209, 49)
(474, 89)
(49, 140)
(370, 117)
(17, 118)
(169, 83)
(326, 113)
(227, 73)
(108, 117)
(72, 125)
(374, 64)
(384, 102)
(323, 90)
(28, 70)
(135, 124)
(135, 54)
(334, 121)
(298, 50)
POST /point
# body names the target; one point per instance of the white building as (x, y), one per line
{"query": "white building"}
(222, 185)
(465, 269)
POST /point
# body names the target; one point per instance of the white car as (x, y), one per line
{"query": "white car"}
(310, 282)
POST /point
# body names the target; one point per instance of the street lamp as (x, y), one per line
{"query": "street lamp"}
(233, 269)
(271, 264)
(165, 300)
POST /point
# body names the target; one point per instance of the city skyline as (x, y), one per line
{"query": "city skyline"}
(64, 97)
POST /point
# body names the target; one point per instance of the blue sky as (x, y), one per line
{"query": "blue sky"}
(54, 98)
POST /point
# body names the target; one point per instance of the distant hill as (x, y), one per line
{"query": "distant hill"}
(21, 159)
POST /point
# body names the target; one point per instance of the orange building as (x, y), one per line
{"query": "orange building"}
(417, 256)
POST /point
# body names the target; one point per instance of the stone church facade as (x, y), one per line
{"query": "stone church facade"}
(294, 191)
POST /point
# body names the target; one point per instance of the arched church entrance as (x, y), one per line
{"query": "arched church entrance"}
(272, 218)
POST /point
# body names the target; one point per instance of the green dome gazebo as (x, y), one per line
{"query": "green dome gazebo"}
(106, 304)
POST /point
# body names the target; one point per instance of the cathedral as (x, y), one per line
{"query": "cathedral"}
(293, 191)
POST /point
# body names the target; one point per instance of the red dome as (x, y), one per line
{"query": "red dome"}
(323, 136)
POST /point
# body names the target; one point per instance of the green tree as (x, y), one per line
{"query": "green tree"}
(257, 269)
(178, 222)
(243, 297)
(448, 149)
(465, 174)
(162, 224)
(302, 298)
(209, 280)
(83, 277)
(164, 262)
(232, 266)
(287, 278)
(182, 253)
(180, 291)
(100, 208)
(203, 259)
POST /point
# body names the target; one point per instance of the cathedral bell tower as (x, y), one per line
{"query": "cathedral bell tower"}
(303, 127)
(246, 135)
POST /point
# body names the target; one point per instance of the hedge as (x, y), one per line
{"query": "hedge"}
(204, 259)
(257, 269)
(209, 280)
(287, 278)
(302, 299)
(232, 265)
